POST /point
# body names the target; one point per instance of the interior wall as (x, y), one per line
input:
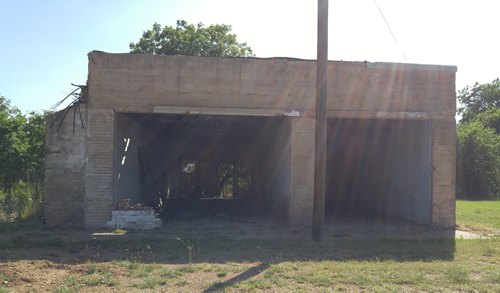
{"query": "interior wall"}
(128, 140)
(379, 168)
(275, 166)
(206, 141)
(409, 171)
(351, 153)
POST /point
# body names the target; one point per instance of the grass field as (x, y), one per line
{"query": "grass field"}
(479, 216)
(218, 264)
(73, 261)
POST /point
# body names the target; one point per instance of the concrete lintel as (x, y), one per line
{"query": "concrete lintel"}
(378, 115)
(224, 111)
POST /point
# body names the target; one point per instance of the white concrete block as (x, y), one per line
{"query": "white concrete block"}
(138, 220)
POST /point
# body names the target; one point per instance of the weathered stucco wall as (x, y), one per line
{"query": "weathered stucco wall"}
(64, 185)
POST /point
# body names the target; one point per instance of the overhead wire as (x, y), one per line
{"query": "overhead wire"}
(390, 30)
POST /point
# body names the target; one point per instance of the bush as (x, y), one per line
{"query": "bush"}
(22, 154)
(478, 161)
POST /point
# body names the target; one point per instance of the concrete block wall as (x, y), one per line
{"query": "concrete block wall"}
(99, 171)
(117, 80)
(300, 202)
(444, 155)
(443, 174)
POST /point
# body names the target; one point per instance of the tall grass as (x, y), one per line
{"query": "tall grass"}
(22, 202)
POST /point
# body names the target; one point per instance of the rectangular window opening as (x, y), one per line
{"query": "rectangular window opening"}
(225, 178)
(244, 175)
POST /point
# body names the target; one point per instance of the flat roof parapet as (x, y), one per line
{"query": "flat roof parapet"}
(373, 65)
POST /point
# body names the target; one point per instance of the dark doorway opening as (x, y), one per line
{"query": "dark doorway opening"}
(190, 166)
(378, 170)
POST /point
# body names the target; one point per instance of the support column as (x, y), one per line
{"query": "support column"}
(300, 205)
(99, 172)
(443, 175)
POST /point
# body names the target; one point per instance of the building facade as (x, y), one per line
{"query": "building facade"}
(157, 128)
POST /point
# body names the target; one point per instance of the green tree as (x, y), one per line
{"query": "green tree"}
(478, 99)
(490, 118)
(478, 160)
(13, 146)
(478, 141)
(187, 39)
(34, 129)
(22, 154)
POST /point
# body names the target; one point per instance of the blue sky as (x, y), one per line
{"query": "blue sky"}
(44, 44)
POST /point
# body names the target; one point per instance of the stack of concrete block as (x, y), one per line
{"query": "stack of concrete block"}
(138, 220)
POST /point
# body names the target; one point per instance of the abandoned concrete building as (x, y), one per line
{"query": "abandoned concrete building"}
(195, 134)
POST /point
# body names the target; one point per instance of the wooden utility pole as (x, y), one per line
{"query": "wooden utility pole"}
(320, 134)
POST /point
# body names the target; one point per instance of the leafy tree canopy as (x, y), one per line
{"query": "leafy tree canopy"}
(490, 118)
(12, 144)
(478, 99)
(21, 144)
(22, 154)
(187, 39)
(478, 141)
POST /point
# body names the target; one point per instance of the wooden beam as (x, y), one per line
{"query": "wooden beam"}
(320, 130)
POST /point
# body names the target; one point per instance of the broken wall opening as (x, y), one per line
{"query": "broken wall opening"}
(379, 169)
(203, 165)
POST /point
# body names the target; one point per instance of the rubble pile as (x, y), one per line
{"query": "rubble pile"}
(133, 216)
(125, 205)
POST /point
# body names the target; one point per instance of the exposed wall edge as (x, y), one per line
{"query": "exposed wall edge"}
(379, 115)
(409, 66)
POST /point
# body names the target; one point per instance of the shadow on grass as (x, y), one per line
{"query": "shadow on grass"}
(21, 225)
(239, 278)
(218, 249)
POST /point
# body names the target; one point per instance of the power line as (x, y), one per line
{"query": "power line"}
(390, 30)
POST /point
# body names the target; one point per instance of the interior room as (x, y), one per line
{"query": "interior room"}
(190, 166)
